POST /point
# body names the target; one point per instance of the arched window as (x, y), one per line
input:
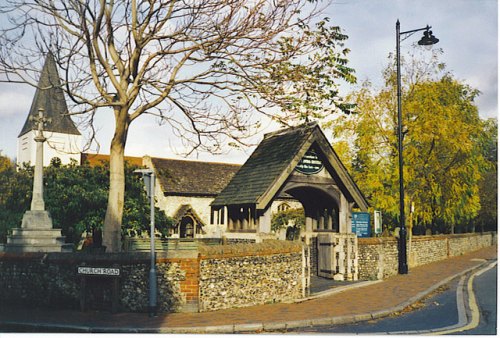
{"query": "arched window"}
(283, 207)
(186, 228)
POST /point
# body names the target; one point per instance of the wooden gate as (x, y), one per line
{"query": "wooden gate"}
(326, 248)
(338, 256)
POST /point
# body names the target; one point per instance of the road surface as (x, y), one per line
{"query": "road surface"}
(466, 305)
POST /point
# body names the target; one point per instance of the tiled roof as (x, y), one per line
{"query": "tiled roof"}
(193, 178)
(264, 166)
(50, 97)
(180, 177)
(101, 159)
(186, 210)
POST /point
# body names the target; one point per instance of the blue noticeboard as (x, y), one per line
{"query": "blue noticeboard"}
(361, 224)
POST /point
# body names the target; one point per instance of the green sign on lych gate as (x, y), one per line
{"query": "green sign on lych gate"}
(309, 164)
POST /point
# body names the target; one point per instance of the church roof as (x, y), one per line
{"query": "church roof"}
(50, 97)
(179, 177)
(103, 159)
(272, 162)
(193, 178)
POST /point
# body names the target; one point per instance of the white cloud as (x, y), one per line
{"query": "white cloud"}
(14, 101)
(468, 33)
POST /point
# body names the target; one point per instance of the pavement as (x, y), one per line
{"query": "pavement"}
(345, 304)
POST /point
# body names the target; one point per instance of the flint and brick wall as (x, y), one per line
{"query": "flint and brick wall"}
(378, 257)
(210, 278)
(189, 285)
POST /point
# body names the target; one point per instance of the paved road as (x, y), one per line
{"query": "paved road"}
(443, 308)
(485, 289)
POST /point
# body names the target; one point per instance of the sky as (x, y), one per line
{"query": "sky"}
(467, 31)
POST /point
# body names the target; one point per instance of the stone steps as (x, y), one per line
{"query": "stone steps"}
(11, 247)
(41, 233)
(36, 235)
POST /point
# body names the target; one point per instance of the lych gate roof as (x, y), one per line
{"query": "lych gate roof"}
(264, 166)
(272, 162)
(262, 176)
(50, 97)
(193, 178)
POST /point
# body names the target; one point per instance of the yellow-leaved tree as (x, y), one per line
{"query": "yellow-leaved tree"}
(443, 159)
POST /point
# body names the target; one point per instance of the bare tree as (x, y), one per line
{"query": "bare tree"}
(205, 67)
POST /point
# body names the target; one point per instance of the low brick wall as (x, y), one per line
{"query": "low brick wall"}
(244, 275)
(378, 257)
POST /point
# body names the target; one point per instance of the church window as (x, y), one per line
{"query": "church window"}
(283, 207)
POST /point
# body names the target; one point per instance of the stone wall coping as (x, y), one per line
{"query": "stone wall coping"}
(266, 248)
(73, 258)
(240, 255)
(375, 240)
(471, 234)
(426, 238)
(381, 240)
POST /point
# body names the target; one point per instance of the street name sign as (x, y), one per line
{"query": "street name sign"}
(87, 270)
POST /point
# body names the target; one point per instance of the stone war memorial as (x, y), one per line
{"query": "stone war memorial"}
(222, 250)
(36, 233)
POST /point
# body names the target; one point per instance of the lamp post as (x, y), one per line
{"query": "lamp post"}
(427, 40)
(148, 176)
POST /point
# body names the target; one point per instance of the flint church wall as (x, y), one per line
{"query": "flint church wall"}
(51, 279)
(378, 256)
(244, 275)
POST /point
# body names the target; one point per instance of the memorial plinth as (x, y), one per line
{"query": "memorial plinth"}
(37, 235)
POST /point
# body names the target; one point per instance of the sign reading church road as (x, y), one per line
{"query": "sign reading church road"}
(310, 163)
(87, 270)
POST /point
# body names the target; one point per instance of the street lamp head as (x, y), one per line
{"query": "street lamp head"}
(149, 179)
(428, 39)
(143, 172)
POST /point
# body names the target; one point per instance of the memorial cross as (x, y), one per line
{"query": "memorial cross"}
(37, 202)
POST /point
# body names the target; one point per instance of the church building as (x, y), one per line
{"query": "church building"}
(291, 168)
(63, 138)
(294, 167)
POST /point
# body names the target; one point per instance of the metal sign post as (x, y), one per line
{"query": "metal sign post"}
(377, 222)
(148, 176)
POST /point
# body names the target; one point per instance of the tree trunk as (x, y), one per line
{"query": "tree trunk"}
(116, 196)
